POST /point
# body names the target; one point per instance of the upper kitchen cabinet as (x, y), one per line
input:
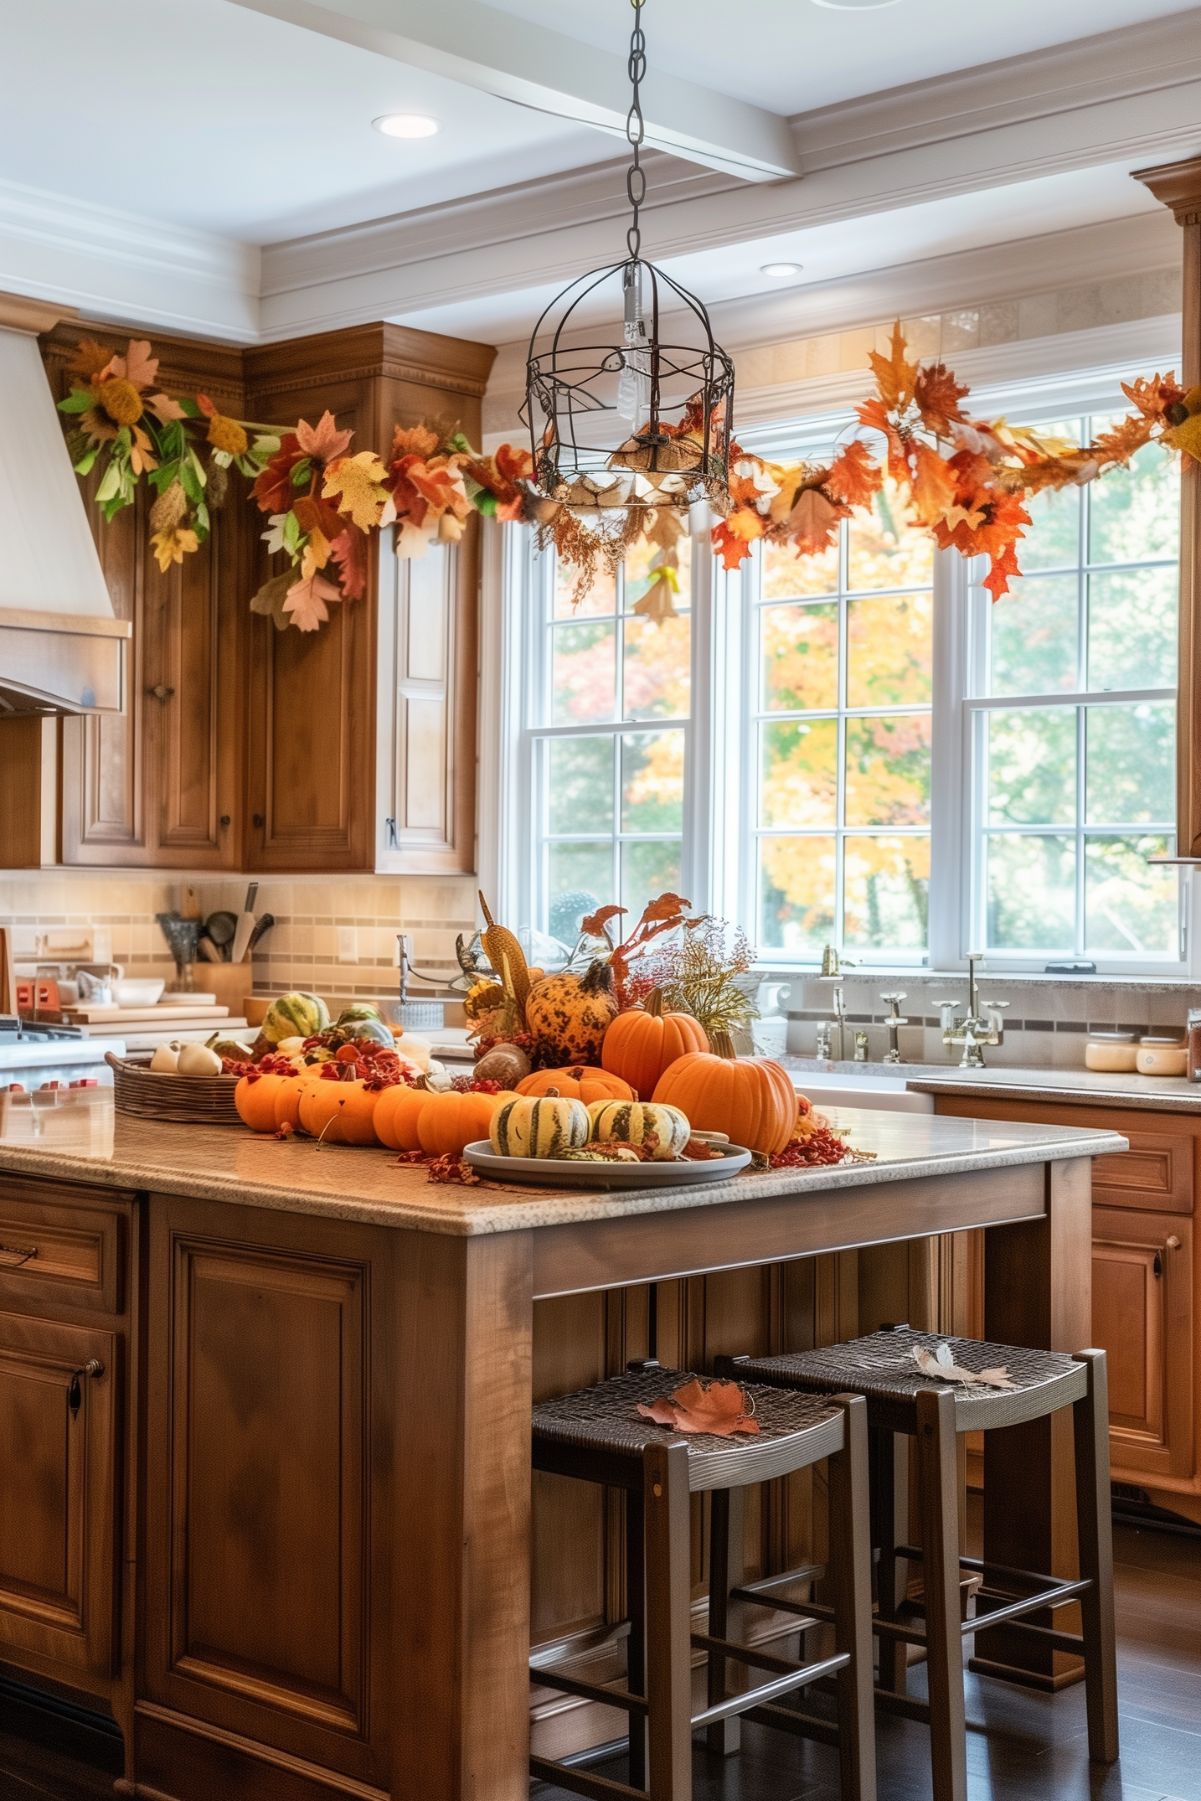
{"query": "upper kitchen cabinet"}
(161, 784)
(395, 670)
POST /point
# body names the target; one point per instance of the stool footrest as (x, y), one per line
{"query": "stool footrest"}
(798, 1677)
(590, 1691)
(583, 1782)
(791, 1719)
(1056, 1596)
(983, 1567)
(1071, 1642)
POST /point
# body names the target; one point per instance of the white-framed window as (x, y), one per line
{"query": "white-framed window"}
(861, 749)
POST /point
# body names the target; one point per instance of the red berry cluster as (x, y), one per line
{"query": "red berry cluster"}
(821, 1147)
(475, 1085)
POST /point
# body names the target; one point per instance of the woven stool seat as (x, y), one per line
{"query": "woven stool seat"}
(881, 1367)
(795, 1429)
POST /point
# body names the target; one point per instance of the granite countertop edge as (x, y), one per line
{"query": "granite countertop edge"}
(1159, 1095)
(471, 1211)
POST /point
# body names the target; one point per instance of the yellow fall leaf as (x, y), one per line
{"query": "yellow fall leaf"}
(315, 554)
(356, 483)
(172, 546)
(895, 374)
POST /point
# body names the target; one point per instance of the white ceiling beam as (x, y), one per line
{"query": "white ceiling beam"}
(536, 67)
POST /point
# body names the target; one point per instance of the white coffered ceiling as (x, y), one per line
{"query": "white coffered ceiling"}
(210, 165)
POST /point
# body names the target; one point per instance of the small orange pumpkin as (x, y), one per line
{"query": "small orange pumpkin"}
(449, 1122)
(339, 1112)
(287, 1100)
(255, 1099)
(578, 1082)
(750, 1098)
(397, 1112)
(644, 1041)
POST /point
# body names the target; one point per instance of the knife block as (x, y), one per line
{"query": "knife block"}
(230, 982)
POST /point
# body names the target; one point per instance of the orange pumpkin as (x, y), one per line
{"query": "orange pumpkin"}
(255, 1098)
(339, 1112)
(750, 1098)
(449, 1122)
(644, 1041)
(396, 1114)
(287, 1100)
(578, 1082)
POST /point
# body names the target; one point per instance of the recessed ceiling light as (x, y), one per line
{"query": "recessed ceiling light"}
(853, 6)
(780, 271)
(406, 125)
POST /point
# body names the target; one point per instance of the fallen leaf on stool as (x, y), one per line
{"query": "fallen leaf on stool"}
(941, 1364)
(722, 1409)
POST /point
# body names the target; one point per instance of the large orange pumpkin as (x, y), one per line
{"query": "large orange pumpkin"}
(397, 1112)
(449, 1122)
(578, 1082)
(750, 1098)
(255, 1098)
(644, 1041)
(339, 1112)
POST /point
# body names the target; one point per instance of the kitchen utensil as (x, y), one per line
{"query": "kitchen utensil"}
(96, 989)
(558, 1172)
(262, 926)
(220, 928)
(207, 951)
(183, 936)
(245, 926)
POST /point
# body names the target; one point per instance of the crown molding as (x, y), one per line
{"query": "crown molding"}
(1178, 187)
(1144, 245)
(121, 266)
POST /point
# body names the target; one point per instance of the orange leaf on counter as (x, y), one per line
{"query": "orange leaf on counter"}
(720, 1409)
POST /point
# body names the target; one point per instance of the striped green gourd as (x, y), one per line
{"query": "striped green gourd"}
(544, 1125)
(295, 1016)
(634, 1122)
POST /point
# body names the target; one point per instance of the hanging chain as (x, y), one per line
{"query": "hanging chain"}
(636, 128)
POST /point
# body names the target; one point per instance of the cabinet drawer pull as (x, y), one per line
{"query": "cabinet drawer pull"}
(93, 1367)
(160, 691)
(12, 1256)
(392, 839)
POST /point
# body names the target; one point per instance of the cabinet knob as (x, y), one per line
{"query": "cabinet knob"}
(224, 821)
(258, 820)
(160, 691)
(93, 1367)
(1171, 1242)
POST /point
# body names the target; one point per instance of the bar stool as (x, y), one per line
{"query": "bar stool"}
(934, 1414)
(597, 1435)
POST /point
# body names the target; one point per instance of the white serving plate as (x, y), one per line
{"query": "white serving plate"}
(559, 1172)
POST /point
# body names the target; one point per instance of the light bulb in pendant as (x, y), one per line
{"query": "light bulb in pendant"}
(634, 385)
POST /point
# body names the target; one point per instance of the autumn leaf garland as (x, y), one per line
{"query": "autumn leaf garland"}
(966, 481)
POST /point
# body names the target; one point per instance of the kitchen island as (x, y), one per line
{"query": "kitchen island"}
(286, 1536)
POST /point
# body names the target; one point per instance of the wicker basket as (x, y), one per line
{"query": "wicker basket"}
(176, 1100)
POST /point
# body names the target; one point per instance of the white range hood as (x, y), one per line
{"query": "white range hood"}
(61, 649)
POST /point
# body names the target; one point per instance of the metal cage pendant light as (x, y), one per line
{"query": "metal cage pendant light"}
(642, 423)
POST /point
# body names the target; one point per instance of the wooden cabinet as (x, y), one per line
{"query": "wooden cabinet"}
(66, 1281)
(1146, 1279)
(347, 749)
(58, 1519)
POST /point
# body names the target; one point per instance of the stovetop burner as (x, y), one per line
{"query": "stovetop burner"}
(32, 1031)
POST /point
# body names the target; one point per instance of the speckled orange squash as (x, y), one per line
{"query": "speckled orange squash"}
(449, 1122)
(644, 1041)
(570, 1014)
(339, 1112)
(578, 1082)
(396, 1114)
(750, 1098)
(255, 1098)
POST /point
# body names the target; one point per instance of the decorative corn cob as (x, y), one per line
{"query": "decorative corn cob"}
(506, 957)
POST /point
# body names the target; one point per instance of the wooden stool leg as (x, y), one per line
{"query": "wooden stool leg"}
(668, 1622)
(938, 1500)
(636, 1644)
(850, 1566)
(889, 1509)
(1090, 1418)
(726, 1559)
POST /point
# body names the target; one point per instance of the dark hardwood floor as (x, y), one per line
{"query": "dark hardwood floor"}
(1033, 1748)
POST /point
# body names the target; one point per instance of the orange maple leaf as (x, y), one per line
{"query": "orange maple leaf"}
(323, 441)
(718, 1408)
(854, 475)
(88, 359)
(273, 489)
(349, 552)
(937, 395)
(414, 440)
(727, 544)
(933, 486)
(895, 374)
(874, 413)
(810, 522)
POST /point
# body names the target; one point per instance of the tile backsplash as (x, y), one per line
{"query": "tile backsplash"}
(316, 918)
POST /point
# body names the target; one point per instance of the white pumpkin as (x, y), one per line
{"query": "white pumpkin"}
(198, 1060)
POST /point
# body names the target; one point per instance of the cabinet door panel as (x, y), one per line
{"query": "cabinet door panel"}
(1142, 1317)
(259, 1612)
(57, 1521)
(1155, 1173)
(192, 737)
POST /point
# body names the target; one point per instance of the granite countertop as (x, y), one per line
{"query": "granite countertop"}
(226, 1163)
(1170, 1094)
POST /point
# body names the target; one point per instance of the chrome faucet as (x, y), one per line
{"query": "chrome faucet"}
(832, 968)
(861, 1043)
(982, 1023)
(893, 1022)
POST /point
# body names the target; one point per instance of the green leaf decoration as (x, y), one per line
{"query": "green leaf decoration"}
(79, 400)
(302, 473)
